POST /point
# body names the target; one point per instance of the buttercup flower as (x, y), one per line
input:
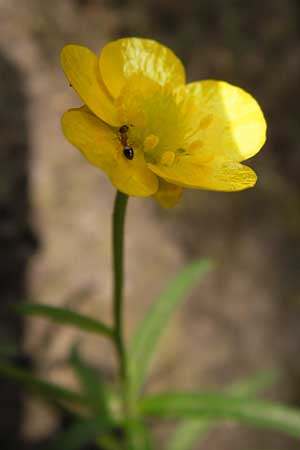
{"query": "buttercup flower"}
(149, 131)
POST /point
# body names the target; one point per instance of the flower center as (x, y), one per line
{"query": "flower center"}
(155, 125)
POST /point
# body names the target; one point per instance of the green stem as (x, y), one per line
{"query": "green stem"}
(118, 250)
(133, 426)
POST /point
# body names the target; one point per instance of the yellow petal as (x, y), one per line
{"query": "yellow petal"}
(168, 195)
(101, 147)
(188, 171)
(121, 59)
(81, 68)
(223, 119)
(91, 136)
(133, 176)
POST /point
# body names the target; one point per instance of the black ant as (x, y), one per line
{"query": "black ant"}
(127, 150)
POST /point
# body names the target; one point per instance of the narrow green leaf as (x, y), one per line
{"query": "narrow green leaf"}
(254, 385)
(109, 442)
(222, 407)
(139, 436)
(79, 434)
(52, 391)
(66, 317)
(154, 324)
(190, 431)
(92, 384)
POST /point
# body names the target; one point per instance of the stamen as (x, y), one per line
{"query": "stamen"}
(150, 142)
(168, 158)
(196, 145)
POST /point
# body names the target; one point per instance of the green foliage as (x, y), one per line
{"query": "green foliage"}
(109, 442)
(103, 419)
(139, 437)
(79, 434)
(146, 338)
(252, 386)
(51, 391)
(66, 317)
(96, 423)
(222, 407)
(92, 385)
(100, 407)
(190, 431)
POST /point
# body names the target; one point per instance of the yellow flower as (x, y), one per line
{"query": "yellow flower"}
(149, 131)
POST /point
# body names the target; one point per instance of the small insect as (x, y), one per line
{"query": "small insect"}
(123, 129)
(127, 150)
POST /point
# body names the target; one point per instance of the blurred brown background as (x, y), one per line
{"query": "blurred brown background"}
(55, 209)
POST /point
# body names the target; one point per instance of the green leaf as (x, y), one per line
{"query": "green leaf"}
(52, 391)
(190, 431)
(92, 384)
(79, 434)
(138, 433)
(254, 385)
(109, 442)
(154, 324)
(66, 317)
(222, 407)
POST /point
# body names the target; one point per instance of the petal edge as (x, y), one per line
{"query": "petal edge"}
(223, 176)
(123, 58)
(227, 120)
(80, 66)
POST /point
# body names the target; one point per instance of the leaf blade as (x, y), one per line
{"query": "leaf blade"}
(79, 434)
(92, 385)
(190, 431)
(143, 345)
(222, 407)
(65, 317)
(50, 390)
